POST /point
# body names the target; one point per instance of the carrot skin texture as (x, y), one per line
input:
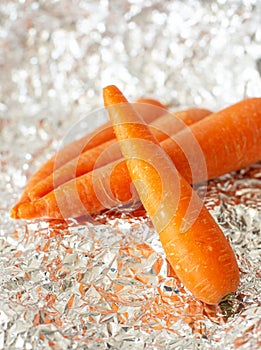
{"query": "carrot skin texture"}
(109, 151)
(117, 173)
(151, 101)
(57, 205)
(101, 134)
(74, 168)
(199, 254)
(217, 163)
(229, 139)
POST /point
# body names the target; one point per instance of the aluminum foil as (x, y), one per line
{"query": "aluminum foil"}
(106, 284)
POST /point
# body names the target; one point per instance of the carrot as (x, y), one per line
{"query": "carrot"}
(101, 134)
(229, 139)
(198, 252)
(151, 101)
(93, 139)
(109, 186)
(109, 151)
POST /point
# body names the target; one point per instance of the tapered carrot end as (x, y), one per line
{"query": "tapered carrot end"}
(28, 211)
(112, 95)
(14, 212)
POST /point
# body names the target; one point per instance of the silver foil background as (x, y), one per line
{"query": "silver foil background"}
(106, 284)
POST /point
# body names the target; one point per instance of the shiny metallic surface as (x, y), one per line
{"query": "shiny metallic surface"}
(106, 284)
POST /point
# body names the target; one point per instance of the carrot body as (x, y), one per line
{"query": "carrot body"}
(102, 188)
(109, 151)
(151, 101)
(101, 134)
(98, 136)
(229, 139)
(199, 253)
(109, 186)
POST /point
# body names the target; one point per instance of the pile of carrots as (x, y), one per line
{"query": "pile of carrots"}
(161, 154)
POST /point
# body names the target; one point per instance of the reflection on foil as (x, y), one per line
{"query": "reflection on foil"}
(67, 285)
(106, 284)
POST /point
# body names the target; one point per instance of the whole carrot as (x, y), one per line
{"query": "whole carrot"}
(109, 186)
(109, 151)
(198, 251)
(92, 139)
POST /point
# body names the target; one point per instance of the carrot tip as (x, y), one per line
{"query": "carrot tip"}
(111, 91)
(14, 212)
(26, 211)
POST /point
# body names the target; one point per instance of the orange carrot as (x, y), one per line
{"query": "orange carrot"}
(93, 139)
(229, 139)
(197, 251)
(99, 135)
(109, 186)
(109, 151)
(151, 101)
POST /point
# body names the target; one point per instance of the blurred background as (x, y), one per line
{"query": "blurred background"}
(55, 56)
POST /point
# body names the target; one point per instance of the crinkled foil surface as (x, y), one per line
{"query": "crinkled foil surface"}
(106, 284)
